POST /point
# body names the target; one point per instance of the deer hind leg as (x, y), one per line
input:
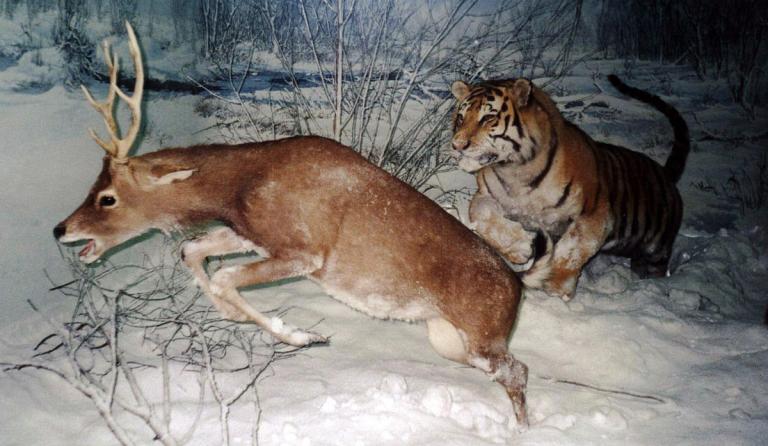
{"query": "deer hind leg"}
(508, 237)
(512, 374)
(488, 355)
(222, 286)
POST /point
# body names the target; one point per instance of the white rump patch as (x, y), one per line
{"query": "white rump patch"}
(447, 340)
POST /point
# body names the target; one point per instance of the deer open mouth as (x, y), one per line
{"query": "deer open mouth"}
(89, 248)
(90, 252)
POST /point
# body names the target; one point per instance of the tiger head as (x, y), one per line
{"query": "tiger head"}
(497, 122)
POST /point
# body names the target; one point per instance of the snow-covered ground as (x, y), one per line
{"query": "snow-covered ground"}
(679, 360)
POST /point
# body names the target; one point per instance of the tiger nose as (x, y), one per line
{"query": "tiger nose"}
(460, 144)
(59, 231)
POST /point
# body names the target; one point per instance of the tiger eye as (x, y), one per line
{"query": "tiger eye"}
(488, 118)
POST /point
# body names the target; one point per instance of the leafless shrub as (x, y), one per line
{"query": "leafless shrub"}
(33, 7)
(222, 26)
(8, 7)
(747, 186)
(70, 37)
(121, 11)
(135, 325)
(381, 69)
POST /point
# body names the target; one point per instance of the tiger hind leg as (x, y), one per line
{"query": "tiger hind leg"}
(646, 267)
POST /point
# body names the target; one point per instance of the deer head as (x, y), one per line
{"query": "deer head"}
(127, 195)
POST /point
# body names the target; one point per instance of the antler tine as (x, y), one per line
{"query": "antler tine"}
(118, 148)
(133, 102)
(110, 59)
(105, 108)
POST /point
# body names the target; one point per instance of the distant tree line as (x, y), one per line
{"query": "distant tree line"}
(722, 39)
(372, 74)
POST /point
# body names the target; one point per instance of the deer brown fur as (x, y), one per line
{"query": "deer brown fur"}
(312, 207)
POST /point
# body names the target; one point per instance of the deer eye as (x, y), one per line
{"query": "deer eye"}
(106, 201)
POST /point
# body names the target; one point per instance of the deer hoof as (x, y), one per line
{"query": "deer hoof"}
(295, 336)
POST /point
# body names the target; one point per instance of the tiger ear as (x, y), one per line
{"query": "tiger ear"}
(460, 90)
(521, 90)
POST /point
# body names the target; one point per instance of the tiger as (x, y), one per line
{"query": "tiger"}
(549, 197)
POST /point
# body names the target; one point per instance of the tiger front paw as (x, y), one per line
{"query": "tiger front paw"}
(508, 237)
(556, 283)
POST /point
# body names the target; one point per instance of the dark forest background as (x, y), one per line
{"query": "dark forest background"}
(375, 74)
(720, 39)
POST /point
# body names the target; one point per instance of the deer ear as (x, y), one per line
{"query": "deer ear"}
(170, 177)
(460, 90)
(152, 175)
(522, 92)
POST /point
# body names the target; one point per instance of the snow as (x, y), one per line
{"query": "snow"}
(676, 360)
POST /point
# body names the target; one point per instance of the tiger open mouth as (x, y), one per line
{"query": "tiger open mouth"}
(487, 158)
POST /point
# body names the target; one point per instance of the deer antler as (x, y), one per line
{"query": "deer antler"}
(116, 147)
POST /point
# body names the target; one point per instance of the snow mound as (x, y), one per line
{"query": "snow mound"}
(398, 415)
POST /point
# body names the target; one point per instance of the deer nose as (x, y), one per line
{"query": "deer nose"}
(59, 231)
(460, 144)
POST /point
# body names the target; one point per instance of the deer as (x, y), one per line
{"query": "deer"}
(308, 207)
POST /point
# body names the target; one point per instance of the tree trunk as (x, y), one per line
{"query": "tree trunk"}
(340, 22)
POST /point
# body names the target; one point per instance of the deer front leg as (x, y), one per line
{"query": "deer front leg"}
(508, 237)
(557, 272)
(226, 281)
(220, 241)
(222, 286)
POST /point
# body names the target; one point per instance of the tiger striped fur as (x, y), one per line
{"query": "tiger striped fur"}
(548, 191)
